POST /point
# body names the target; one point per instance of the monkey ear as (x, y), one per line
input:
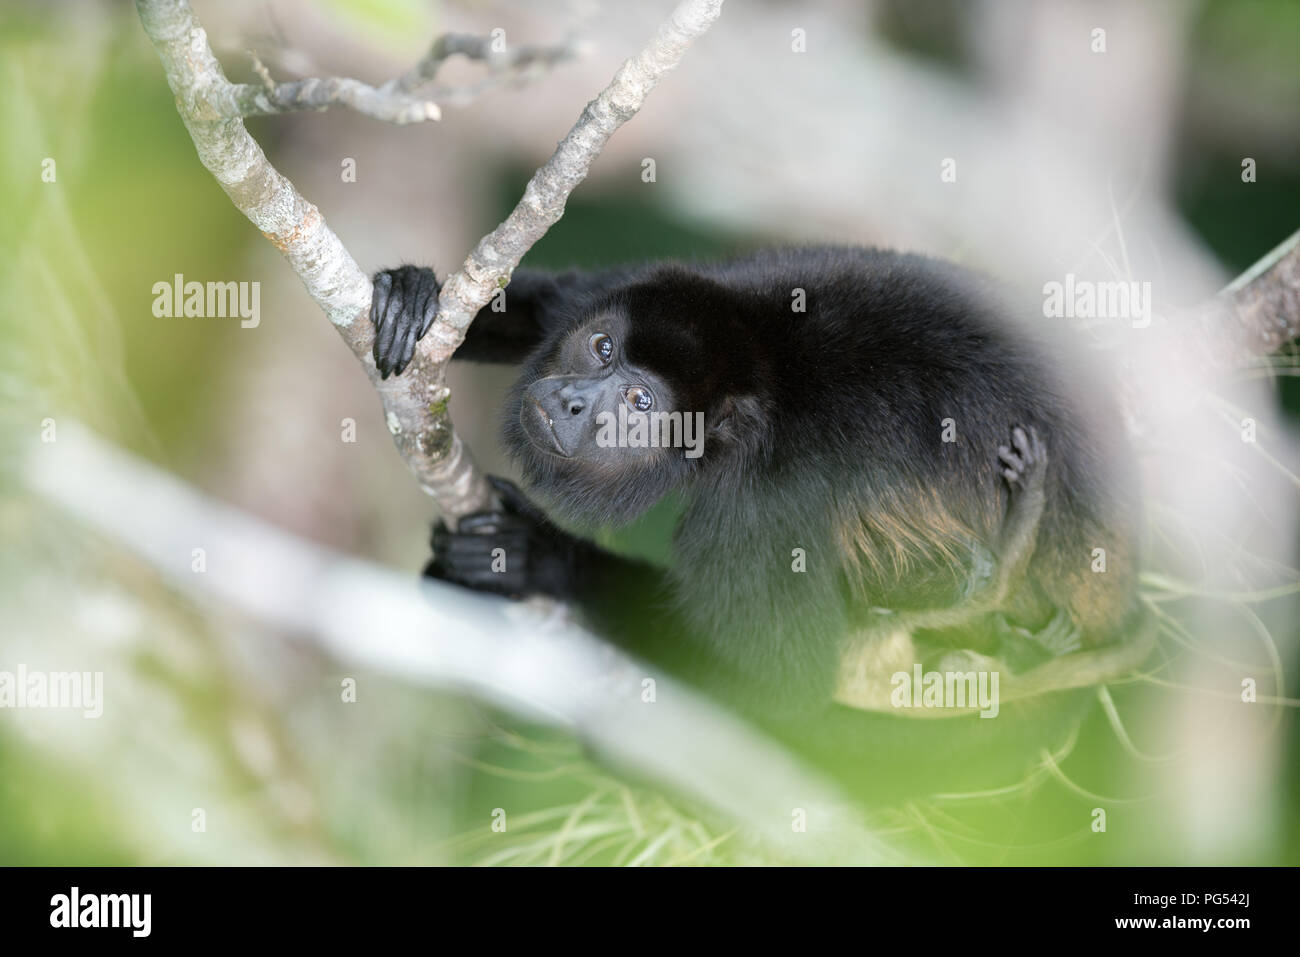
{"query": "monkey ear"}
(740, 422)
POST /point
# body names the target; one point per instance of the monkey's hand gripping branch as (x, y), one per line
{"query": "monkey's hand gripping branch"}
(415, 404)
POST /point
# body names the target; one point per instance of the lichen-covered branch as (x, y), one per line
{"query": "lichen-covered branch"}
(511, 64)
(415, 403)
(269, 99)
(395, 101)
(1257, 313)
(315, 253)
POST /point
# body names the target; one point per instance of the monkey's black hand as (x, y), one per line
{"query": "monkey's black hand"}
(515, 551)
(404, 303)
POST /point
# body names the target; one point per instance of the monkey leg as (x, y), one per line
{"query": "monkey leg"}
(992, 578)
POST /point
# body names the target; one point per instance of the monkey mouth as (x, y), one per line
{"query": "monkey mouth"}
(540, 428)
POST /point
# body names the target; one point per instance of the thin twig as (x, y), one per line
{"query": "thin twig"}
(395, 101)
(320, 94)
(527, 58)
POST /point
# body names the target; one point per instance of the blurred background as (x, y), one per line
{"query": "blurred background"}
(1117, 155)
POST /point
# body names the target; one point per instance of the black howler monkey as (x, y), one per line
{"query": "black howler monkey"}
(886, 443)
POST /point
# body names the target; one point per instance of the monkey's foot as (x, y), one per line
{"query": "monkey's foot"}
(1023, 649)
(1016, 647)
(404, 303)
(1024, 462)
(1059, 636)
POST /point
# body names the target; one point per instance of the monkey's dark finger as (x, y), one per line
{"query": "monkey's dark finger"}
(472, 554)
(380, 298)
(470, 547)
(418, 317)
(515, 500)
(404, 342)
(427, 305)
(1012, 476)
(407, 348)
(1007, 457)
(481, 523)
(386, 330)
(382, 287)
(387, 293)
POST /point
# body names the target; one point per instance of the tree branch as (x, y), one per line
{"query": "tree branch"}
(1257, 313)
(512, 64)
(271, 98)
(395, 101)
(415, 403)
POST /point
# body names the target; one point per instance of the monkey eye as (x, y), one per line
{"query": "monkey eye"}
(638, 398)
(602, 347)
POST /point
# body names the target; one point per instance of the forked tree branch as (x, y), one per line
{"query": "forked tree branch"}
(415, 403)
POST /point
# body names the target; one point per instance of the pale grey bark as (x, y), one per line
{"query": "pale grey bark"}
(399, 100)
(508, 66)
(270, 99)
(1257, 313)
(415, 403)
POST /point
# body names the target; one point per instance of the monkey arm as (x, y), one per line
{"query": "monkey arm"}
(405, 302)
(517, 551)
(1024, 465)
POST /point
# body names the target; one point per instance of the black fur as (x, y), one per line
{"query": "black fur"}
(825, 433)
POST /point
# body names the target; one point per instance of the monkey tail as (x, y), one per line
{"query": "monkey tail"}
(880, 756)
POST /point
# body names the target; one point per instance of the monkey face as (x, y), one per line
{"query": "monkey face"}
(595, 406)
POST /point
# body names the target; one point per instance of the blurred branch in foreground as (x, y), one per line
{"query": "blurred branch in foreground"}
(509, 655)
(415, 403)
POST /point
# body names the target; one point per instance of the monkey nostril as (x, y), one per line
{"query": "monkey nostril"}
(576, 406)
